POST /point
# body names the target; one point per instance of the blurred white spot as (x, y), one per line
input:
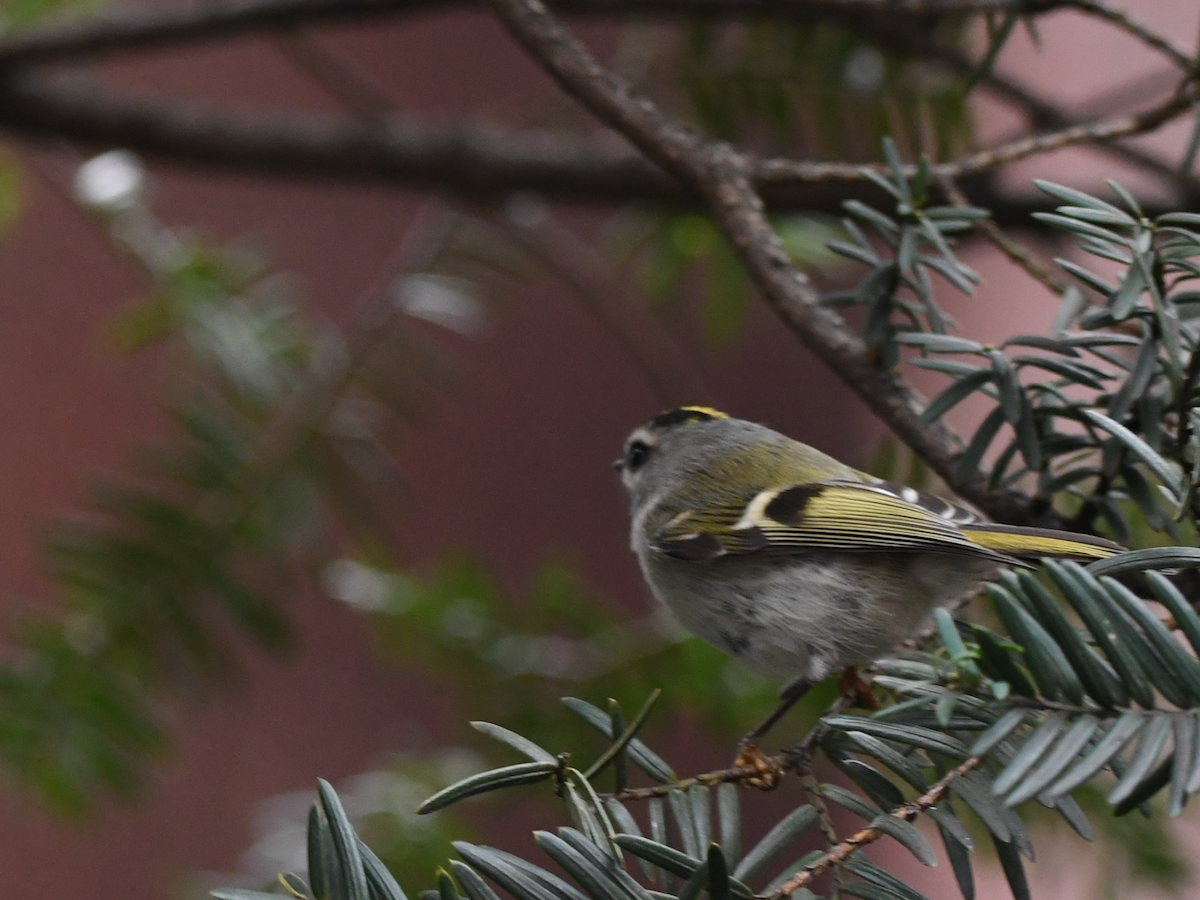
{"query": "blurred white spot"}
(514, 655)
(558, 656)
(548, 656)
(525, 209)
(464, 621)
(364, 587)
(443, 300)
(111, 182)
(456, 763)
(864, 70)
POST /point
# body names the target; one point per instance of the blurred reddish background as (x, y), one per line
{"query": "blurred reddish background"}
(544, 383)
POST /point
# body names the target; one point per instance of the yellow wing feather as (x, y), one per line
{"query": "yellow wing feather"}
(857, 518)
(831, 516)
(1040, 542)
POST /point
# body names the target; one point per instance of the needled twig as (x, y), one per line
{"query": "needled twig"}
(868, 835)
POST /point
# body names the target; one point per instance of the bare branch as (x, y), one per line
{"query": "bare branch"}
(778, 171)
(616, 305)
(477, 162)
(483, 163)
(721, 175)
(119, 30)
(1126, 22)
(124, 30)
(357, 92)
(1005, 244)
(1043, 114)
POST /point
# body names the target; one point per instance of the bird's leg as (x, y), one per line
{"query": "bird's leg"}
(789, 695)
(767, 772)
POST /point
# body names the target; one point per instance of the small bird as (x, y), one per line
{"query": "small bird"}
(796, 564)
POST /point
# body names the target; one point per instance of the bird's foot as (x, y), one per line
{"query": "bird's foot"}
(764, 772)
(854, 682)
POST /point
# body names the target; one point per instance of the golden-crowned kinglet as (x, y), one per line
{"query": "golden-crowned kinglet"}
(794, 563)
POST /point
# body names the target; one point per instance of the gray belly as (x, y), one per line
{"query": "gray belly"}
(811, 614)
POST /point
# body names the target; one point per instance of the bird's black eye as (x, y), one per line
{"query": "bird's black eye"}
(636, 455)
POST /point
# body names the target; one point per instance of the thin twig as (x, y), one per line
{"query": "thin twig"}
(825, 822)
(908, 811)
(1126, 22)
(912, 40)
(341, 80)
(1099, 130)
(474, 161)
(619, 307)
(778, 171)
(1011, 248)
(733, 774)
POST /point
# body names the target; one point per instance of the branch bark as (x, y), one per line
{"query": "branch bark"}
(787, 171)
(476, 161)
(472, 161)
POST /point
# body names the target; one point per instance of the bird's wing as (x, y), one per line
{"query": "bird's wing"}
(1034, 542)
(829, 516)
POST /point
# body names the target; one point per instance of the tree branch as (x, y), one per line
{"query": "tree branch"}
(1126, 22)
(1043, 114)
(119, 30)
(358, 93)
(301, 148)
(477, 160)
(483, 164)
(778, 171)
(722, 175)
(473, 161)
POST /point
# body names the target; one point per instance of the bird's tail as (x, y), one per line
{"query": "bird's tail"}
(1033, 542)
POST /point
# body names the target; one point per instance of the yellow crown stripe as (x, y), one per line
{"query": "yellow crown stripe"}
(706, 411)
(683, 415)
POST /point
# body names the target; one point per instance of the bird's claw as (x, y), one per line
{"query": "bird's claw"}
(763, 772)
